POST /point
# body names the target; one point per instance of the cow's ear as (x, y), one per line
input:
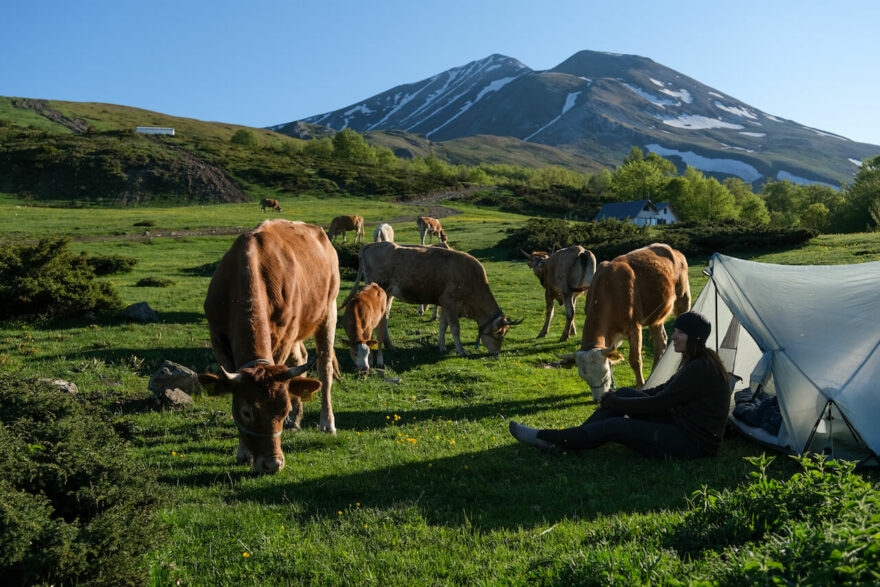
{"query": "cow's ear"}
(613, 355)
(372, 344)
(209, 382)
(303, 387)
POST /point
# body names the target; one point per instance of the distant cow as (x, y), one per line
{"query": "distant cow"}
(428, 275)
(428, 225)
(364, 313)
(565, 276)
(640, 288)
(384, 233)
(276, 286)
(342, 224)
(270, 203)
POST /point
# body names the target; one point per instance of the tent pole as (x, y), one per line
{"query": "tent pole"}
(816, 426)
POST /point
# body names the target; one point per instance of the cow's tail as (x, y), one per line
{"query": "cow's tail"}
(587, 268)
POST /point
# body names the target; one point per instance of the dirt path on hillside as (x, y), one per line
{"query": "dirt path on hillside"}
(429, 200)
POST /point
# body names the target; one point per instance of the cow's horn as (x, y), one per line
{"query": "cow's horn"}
(566, 356)
(230, 377)
(294, 371)
(513, 322)
(525, 253)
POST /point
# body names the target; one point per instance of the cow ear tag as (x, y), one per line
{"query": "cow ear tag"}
(372, 344)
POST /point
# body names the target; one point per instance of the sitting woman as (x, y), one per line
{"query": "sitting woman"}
(684, 417)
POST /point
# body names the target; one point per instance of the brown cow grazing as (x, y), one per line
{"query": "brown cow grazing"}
(342, 224)
(565, 275)
(428, 225)
(428, 275)
(384, 233)
(640, 288)
(270, 203)
(275, 287)
(363, 314)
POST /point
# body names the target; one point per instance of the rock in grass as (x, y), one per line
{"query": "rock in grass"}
(142, 312)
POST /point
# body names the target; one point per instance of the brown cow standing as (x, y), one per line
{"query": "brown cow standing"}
(565, 275)
(363, 314)
(640, 288)
(342, 224)
(270, 203)
(428, 225)
(275, 287)
(428, 275)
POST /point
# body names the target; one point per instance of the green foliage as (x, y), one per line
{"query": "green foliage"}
(855, 215)
(76, 507)
(110, 264)
(699, 198)
(732, 236)
(154, 282)
(606, 239)
(819, 527)
(48, 280)
(350, 146)
(245, 138)
(641, 177)
(558, 200)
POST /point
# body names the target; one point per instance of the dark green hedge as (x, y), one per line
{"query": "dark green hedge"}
(76, 507)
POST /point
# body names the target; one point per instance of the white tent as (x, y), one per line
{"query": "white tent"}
(808, 334)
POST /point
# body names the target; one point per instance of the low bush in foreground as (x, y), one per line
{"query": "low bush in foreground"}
(75, 506)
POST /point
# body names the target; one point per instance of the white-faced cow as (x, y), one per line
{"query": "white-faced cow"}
(565, 275)
(275, 287)
(364, 313)
(429, 226)
(342, 224)
(384, 233)
(270, 203)
(428, 275)
(640, 288)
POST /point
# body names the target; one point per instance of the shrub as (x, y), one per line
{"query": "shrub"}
(72, 510)
(46, 279)
(154, 282)
(110, 264)
(732, 236)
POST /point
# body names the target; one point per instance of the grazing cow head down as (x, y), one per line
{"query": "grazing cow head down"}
(360, 353)
(492, 333)
(261, 399)
(594, 367)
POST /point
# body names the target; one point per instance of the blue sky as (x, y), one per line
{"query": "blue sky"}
(261, 63)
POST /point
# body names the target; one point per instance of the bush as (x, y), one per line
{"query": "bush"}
(110, 264)
(154, 282)
(732, 236)
(46, 279)
(819, 527)
(72, 510)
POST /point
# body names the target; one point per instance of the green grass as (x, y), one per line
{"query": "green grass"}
(422, 484)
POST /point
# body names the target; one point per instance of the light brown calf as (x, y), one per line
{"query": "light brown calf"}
(364, 313)
(640, 288)
(428, 225)
(565, 275)
(274, 288)
(342, 224)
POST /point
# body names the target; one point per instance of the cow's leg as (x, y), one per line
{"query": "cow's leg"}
(380, 360)
(441, 339)
(343, 236)
(434, 316)
(658, 339)
(569, 330)
(422, 235)
(635, 355)
(298, 356)
(450, 319)
(383, 325)
(421, 309)
(548, 313)
(324, 342)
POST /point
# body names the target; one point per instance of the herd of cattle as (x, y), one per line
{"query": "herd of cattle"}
(278, 285)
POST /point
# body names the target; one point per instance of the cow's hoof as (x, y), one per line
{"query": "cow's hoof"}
(328, 428)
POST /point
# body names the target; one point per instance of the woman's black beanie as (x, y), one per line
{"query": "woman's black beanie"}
(694, 325)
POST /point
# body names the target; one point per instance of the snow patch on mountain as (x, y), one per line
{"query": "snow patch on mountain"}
(773, 118)
(656, 82)
(681, 94)
(737, 110)
(698, 122)
(655, 100)
(754, 134)
(735, 148)
(731, 166)
(855, 162)
(570, 101)
(493, 86)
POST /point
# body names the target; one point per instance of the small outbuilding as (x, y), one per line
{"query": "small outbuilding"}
(639, 212)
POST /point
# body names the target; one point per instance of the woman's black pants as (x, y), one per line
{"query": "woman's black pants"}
(656, 435)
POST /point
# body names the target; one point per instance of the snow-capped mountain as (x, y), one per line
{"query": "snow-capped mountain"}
(600, 105)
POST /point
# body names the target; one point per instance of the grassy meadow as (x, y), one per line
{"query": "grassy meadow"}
(422, 484)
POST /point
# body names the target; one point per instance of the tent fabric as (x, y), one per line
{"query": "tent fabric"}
(810, 334)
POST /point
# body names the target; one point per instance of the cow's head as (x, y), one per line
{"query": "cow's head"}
(492, 333)
(261, 399)
(360, 353)
(535, 260)
(594, 367)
